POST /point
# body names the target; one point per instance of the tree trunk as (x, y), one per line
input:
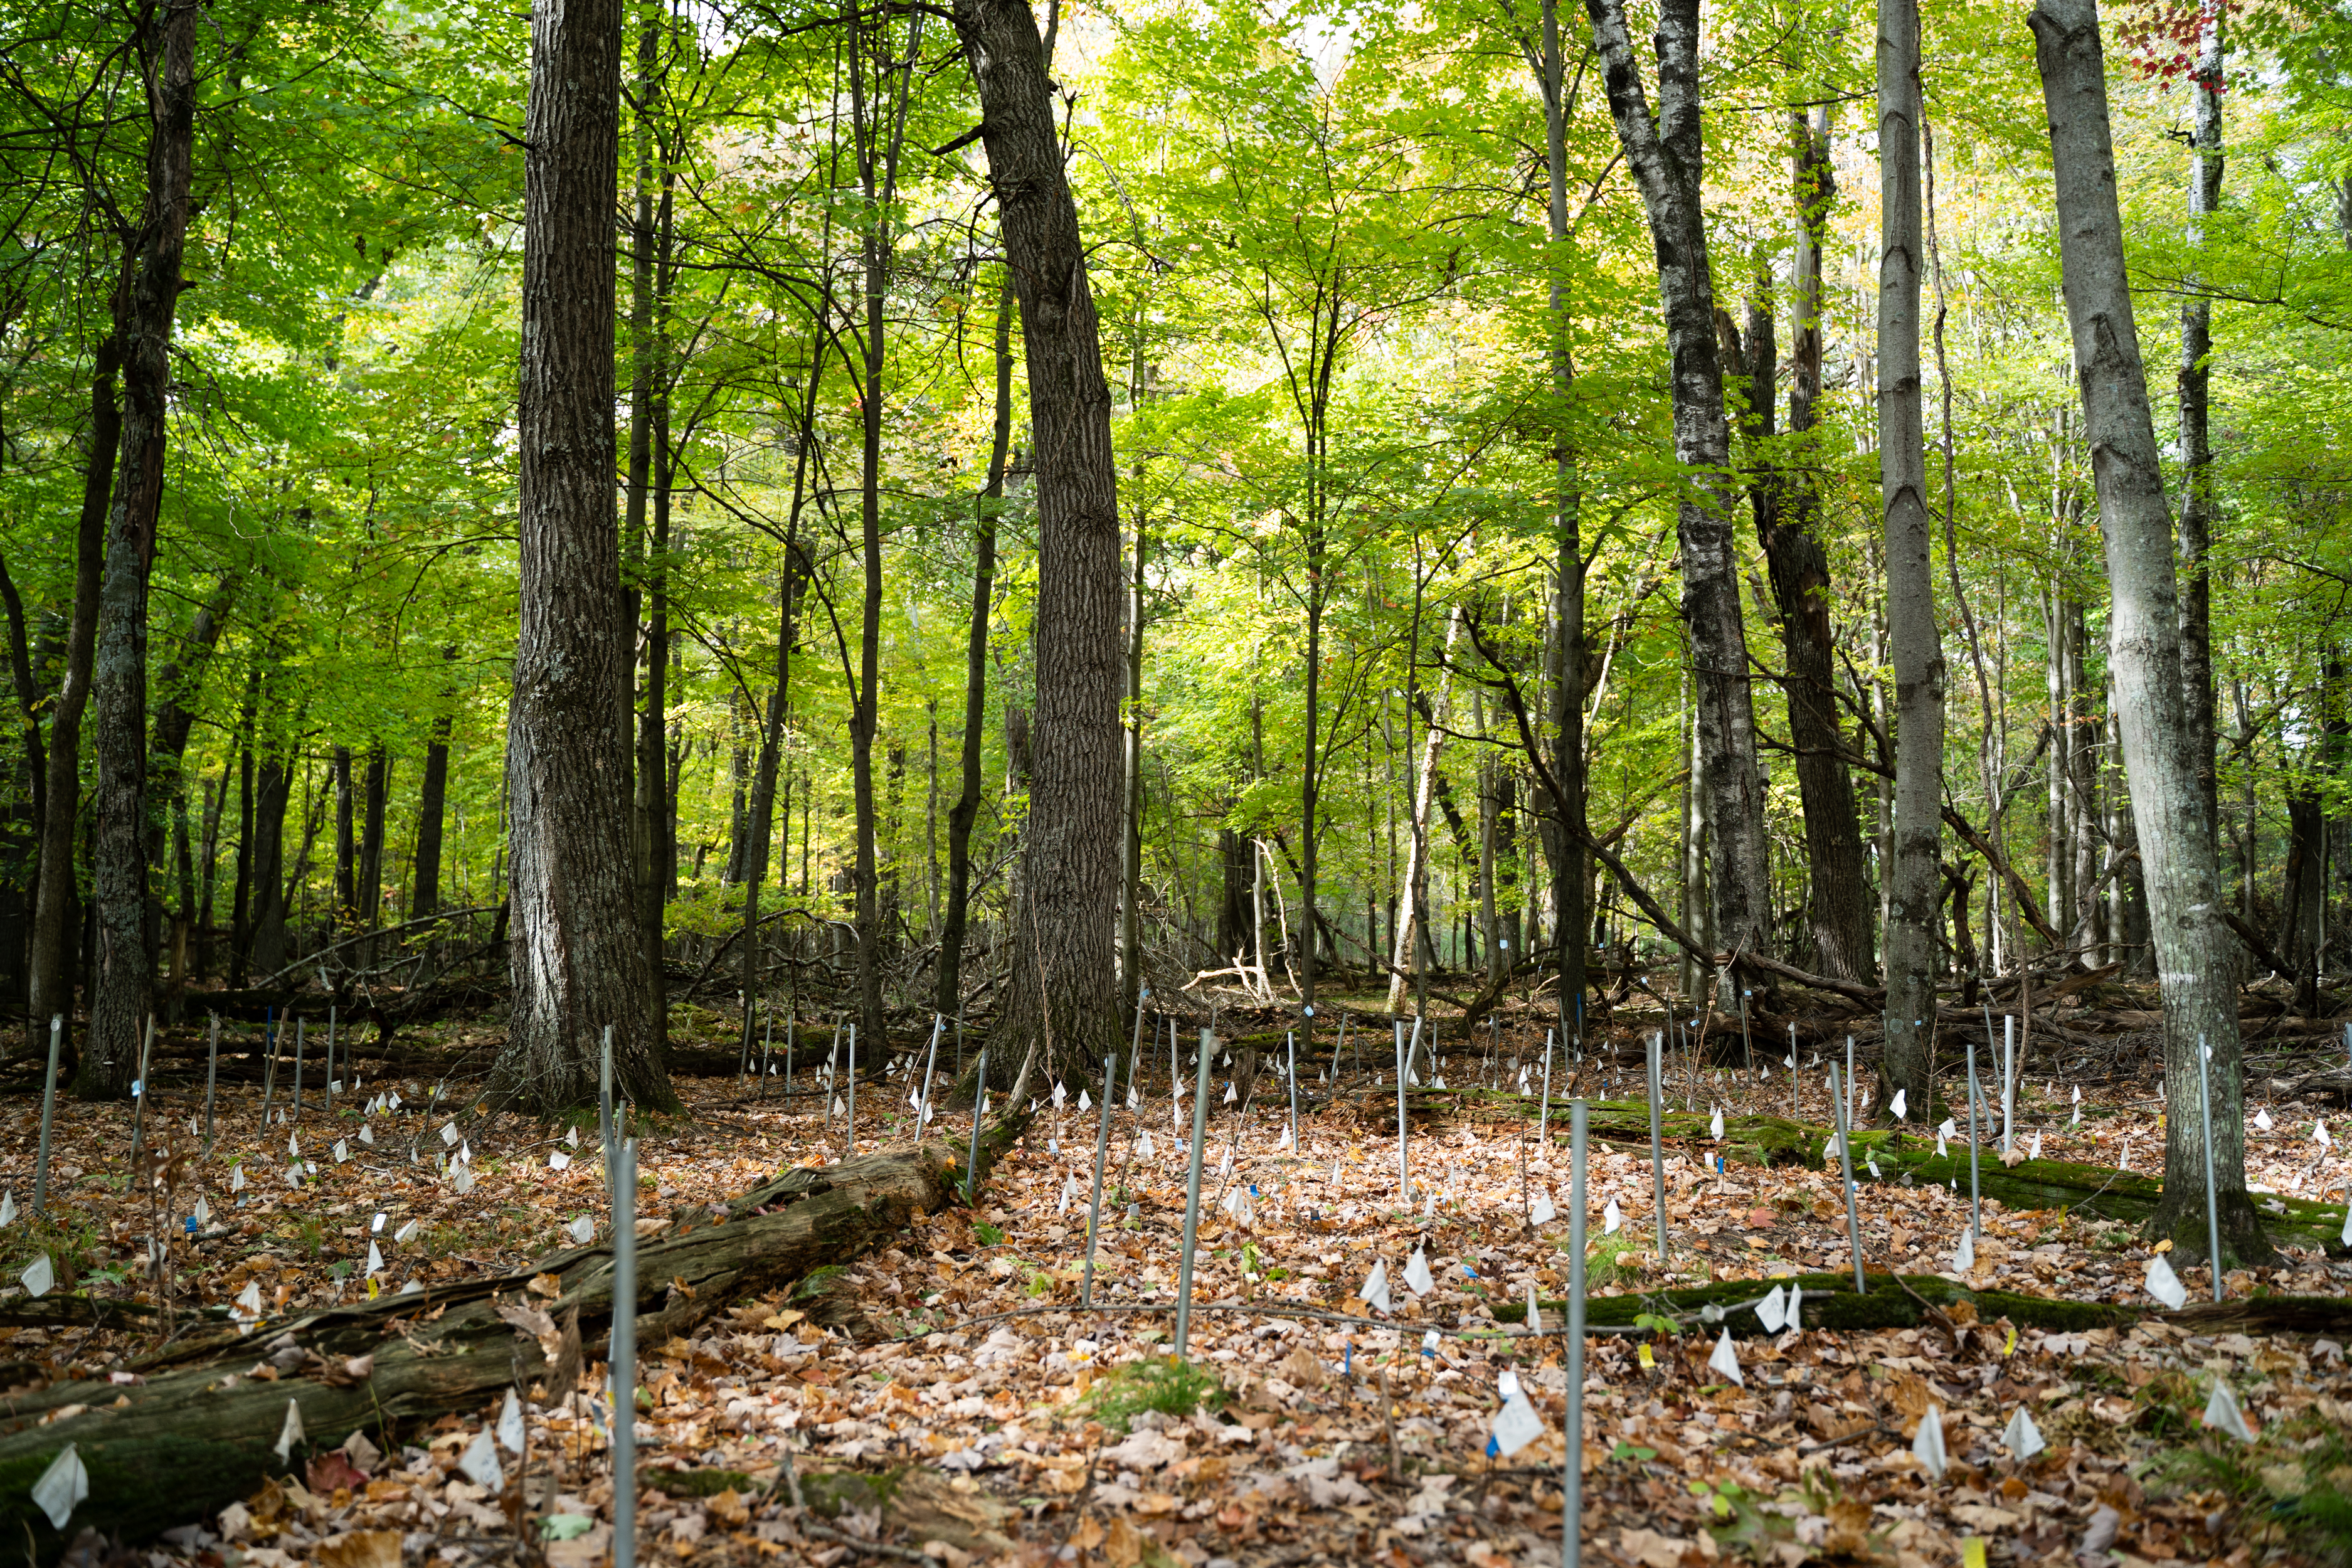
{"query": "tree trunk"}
(432, 797)
(1066, 987)
(2196, 447)
(1914, 885)
(122, 987)
(175, 717)
(1130, 932)
(2193, 957)
(1411, 945)
(347, 847)
(948, 1002)
(1666, 156)
(578, 956)
(49, 989)
(266, 865)
(375, 783)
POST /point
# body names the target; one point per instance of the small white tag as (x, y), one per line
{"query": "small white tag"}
(449, 1132)
(1611, 1218)
(1796, 1300)
(1725, 1361)
(236, 1179)
(291, 1433)
(1535, 1323)
(375, 1258)
(1541, 1212)
(461, 1180)
(1773, 1310)
(1928, 1448)
(511, 1430)
(343, 1151)
(2222, 1413)
(1517, 1425)
(1896, 1104)
(1963, 1256)
(2021, 1437)
(2164, 1284)
(405, 1232)
(7, 1208)
(1085, 1102)
(1375, 1292)
(248, 1307)
(1416, 1273)
(63, 1485)
(479, 1463)
(2262, 1119)
(1714, 1127)
(581, 1230)
(38, 1276)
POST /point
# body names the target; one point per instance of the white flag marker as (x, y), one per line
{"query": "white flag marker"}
(291, 1433)
(2165, 1285)
(1517, 1425)
(581, 1230)
(2222, 1413)
(38, 1276)
(1611, 1218)
(1928, 1448)
(63, 1485)
(1535, 1311)
(2021, 1437)
(1896, 1104)
(1773, 1310)
(1963, 1256)
(1541, 1212)
(1726, 1361)
(1375, 1293)
(510, 1432)
(479, 1464)
(1417, 1275)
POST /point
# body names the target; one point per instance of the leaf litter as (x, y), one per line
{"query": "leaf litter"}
(948, 1399)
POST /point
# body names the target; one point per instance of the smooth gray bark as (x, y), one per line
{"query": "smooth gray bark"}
(2194, 954)
(1913, 882)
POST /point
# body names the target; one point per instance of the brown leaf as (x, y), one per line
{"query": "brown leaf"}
(334, 1469)
(1122, 1545)
(361, 1548)
(728, 1508)
(547, 1284)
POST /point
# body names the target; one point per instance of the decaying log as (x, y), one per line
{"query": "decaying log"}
(202, 1428)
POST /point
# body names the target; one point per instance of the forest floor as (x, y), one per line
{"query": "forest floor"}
(948, 1399)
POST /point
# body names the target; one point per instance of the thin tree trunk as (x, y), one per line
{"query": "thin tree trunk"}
(432, 793)
(1914, 882)
(1666, 156)
(1410, 947)
(347, 847)
(122, 988)
(1064, 935)
(1131, 934)
(961, 815)
(2194, 384)
(2194, 961)
(375, 783)
(177, 685)
(578, 956)
(272, 784)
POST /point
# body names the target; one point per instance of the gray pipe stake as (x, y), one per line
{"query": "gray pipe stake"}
(1193, 1195)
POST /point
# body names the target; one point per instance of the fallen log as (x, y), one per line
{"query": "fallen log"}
(1767, 1141)
(202, 1427)
(1913, 1300)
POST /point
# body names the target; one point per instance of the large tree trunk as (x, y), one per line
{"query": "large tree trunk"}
(1839, 903)
(49, 988)
(578, 958)
(948, 1002)
(2194, 961)
(264, 866)
(1913, 882)
(1065, 986)
(432, 797)
(123, 989)
(1130, 900)
(1667, 155)
(2196, 445)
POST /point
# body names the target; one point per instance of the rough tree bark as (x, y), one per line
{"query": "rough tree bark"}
(122, 987)
(49, 990)
(1839, 906)
(578, 959)
(1065, 986)
(1913, 882)
(1666, 156)
(961, 815)
(2195, 963)
(2194, 384)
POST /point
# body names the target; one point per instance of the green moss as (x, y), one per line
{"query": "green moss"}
(702, 1483)
(834, 1492)
(1831, 1303)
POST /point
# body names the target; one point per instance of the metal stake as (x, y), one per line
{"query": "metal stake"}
(1794, 1111)
(1747, 1048)
(330, 1074)
(1102, 1150)
(853, 1094)
(1543, 1116)
(1975, 1102)
(298, 1071)
(1290, 1044)
(979, 1107)
(1404, 1169)
(1193, 1195)
(268, 1061)
(930, 1068)
(623, 1359)
(1571, 1485)
(2213, 1198)
(139, 1094)
(212, 1080)
(2007, 1081)
(48, 1116)
(1657, 1149)
(1845, 1175)
(604, 1117)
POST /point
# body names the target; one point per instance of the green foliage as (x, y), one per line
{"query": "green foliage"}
(1174, 1388)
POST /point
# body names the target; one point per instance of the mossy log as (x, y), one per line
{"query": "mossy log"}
(201, 1427)
(1831, 1302)
(1908, 1158)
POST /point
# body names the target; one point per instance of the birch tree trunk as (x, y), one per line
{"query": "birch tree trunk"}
(1667, 155)
(577, 954)
(1913, 883)
(1065, 990)
(2194, 959)
(123, 985)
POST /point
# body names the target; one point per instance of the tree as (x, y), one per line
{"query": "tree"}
(1667, 155)
(1914, 879)
(1064, 991)
(2194, 950)
(578, 963)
